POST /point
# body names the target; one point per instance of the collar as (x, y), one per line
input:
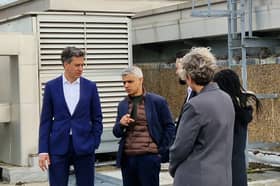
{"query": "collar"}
(65, 81)
(144, 95)
(209, 87)
(189, 90)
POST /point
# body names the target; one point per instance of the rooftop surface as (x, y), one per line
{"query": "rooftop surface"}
(112, 177)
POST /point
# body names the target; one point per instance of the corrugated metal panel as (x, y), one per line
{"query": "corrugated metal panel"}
(106, 41)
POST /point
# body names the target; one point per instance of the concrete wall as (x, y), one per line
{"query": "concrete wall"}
(4, 79)
(176, 23)
(19, 136)
(262, 79)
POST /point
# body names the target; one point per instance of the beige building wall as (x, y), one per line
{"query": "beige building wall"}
(19, 134)
(4, 79)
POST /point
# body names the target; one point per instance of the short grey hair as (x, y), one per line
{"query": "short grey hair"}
(200, 65)
(133, 70)
(69, 52)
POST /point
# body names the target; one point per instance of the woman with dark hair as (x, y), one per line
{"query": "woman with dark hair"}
(229, 82)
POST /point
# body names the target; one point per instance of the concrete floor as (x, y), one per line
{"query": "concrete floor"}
(111, 176)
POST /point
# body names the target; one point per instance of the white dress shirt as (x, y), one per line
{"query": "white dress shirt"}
(71, 93)
(189, 91)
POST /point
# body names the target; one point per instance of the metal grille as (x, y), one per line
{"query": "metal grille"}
(106, 41)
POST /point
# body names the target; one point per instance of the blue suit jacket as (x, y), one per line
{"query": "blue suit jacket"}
(160, 124)
(56, 120)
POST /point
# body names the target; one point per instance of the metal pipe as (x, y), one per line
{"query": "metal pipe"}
(243, 50)
(193, 4)
(234, 18)
(229, 33)
(244, 68)
(209, 8)
(250, 7)
(266, 157)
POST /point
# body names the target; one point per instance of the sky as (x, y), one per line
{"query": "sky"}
(2, 2)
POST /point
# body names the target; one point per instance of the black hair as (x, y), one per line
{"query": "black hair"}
(181, 53)
(69, 52)
(229, 82)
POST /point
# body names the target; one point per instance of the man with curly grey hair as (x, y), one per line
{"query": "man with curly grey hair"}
(201, 153)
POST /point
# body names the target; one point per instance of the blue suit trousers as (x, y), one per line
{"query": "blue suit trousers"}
(141, 170)
(83, 167)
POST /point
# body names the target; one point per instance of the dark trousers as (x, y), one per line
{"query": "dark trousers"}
(83, 166)
(142, 170)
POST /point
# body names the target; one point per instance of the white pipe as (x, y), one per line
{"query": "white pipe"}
(265, 157)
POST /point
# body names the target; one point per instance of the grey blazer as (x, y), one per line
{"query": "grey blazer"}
(201, 153)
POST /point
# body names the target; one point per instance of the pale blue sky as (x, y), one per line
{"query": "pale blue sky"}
(6, 1)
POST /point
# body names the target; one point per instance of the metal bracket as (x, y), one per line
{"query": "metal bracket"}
(252, 42)
(210, 13)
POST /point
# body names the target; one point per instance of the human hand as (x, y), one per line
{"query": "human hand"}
(44, 161)
(126, 120)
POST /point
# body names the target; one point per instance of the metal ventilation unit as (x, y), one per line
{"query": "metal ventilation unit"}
(106, 39)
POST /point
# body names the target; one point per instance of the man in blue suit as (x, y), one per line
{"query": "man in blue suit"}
(71, 123)
(146, 129)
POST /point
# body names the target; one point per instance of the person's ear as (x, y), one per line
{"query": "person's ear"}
(188, 77)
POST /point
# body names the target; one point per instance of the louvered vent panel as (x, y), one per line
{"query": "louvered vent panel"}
(105, 40)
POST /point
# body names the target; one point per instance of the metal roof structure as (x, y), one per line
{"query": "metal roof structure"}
(22, 7)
